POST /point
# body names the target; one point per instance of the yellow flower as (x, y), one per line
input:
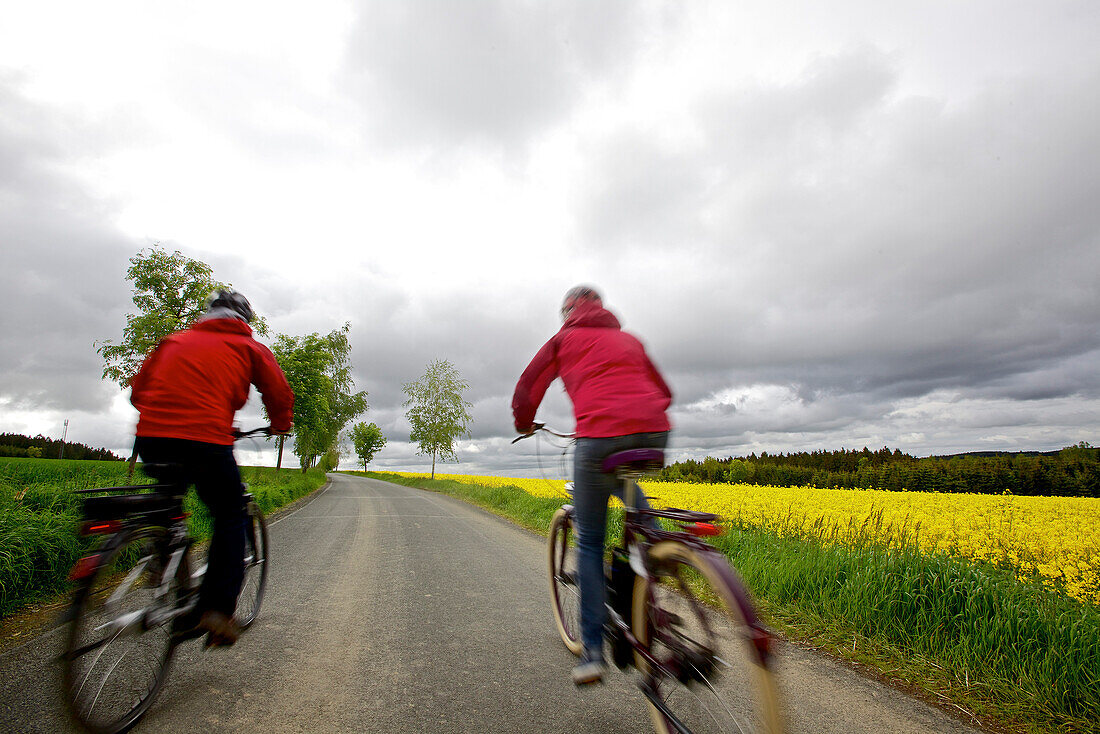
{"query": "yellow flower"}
(1057, 538)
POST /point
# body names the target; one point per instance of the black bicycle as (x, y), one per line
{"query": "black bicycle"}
(677, 611)
(133, 591)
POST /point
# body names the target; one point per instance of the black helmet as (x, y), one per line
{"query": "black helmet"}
(577, 295)
(231, 299)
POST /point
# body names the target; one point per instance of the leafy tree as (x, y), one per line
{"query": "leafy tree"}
(170, 293)
(436, 411)
(331, 460)
(368, 440)
(318, 369)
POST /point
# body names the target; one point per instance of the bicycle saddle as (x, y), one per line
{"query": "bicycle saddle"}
(643, 460)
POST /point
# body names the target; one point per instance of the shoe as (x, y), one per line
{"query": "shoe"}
(588, 672)
(186, 626)
(223, 630)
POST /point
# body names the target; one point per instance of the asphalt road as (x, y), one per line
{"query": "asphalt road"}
(392, 609)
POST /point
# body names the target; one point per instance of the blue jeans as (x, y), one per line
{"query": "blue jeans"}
(592, 489)
(213, 470)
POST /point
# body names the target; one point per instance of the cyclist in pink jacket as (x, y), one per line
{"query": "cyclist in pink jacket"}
(620, 402)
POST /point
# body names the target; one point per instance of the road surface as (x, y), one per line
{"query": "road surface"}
(391, 609)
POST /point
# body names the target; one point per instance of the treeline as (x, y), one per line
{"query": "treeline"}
(1072, 472)
(41, 447)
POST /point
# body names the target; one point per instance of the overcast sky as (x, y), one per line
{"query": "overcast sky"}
(832, 224)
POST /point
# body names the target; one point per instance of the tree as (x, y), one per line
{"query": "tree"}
(331, 460)
(170, 293)
(436, 411)
(368, 441)
(318, 369)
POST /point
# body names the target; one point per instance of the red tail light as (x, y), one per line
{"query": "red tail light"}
(83, 568)
(703, 529)
(98, 527)
(763, 642)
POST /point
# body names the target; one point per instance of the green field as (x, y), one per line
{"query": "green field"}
(970, 636)
(39, 515)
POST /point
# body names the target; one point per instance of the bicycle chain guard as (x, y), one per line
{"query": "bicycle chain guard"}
(621, 593)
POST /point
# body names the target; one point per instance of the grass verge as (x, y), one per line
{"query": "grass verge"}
(1004, 653)
(39, 516)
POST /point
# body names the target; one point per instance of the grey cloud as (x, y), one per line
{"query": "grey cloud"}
(276, 118)
(896, 267)
(62, 264)
(438, 73)
(806, 272)
(397, 330)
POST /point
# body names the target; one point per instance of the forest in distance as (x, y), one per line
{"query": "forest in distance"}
(1073, 471)
(1070, 472)
(40, 447)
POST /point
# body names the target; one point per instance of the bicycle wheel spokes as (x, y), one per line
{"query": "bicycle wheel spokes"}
(565, 596)
(710, 676)
(114, 664)
(255, 568)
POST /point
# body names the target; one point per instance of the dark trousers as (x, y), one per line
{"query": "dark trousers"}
(592, 488)
(213, 470)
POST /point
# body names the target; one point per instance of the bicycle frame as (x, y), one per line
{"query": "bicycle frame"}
(638, 536)
(698, 655)
(165, 510)
(141, 582)
(160, 505)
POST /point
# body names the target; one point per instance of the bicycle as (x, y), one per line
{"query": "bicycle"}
(133, 594)
(677, 612)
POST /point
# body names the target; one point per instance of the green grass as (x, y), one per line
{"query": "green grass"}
(1011, 652)
(39, 516)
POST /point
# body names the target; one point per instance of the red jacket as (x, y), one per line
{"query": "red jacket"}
(614, 386)
(193, 383)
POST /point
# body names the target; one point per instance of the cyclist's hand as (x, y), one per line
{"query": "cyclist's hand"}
(530, 431)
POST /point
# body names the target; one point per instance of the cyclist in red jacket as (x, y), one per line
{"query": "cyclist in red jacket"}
(186, 393)
(620, 402)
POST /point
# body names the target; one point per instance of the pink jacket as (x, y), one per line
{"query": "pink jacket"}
(615, 388)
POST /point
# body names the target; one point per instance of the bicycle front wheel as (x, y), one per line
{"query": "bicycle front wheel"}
(711, 672)
(116, 657)
(255, 568)
(565, 594)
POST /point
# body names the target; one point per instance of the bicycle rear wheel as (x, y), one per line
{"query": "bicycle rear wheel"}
(115, 662)
(565, 595)
(711, 675)
(255, 568)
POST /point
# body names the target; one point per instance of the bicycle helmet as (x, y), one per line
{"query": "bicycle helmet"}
(576, 296)
(231, 299)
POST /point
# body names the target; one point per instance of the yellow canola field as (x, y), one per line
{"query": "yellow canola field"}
(1057, 538)
(537, 487)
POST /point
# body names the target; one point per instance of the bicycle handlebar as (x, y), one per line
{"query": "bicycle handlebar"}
(262, 430)
(542, 427)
